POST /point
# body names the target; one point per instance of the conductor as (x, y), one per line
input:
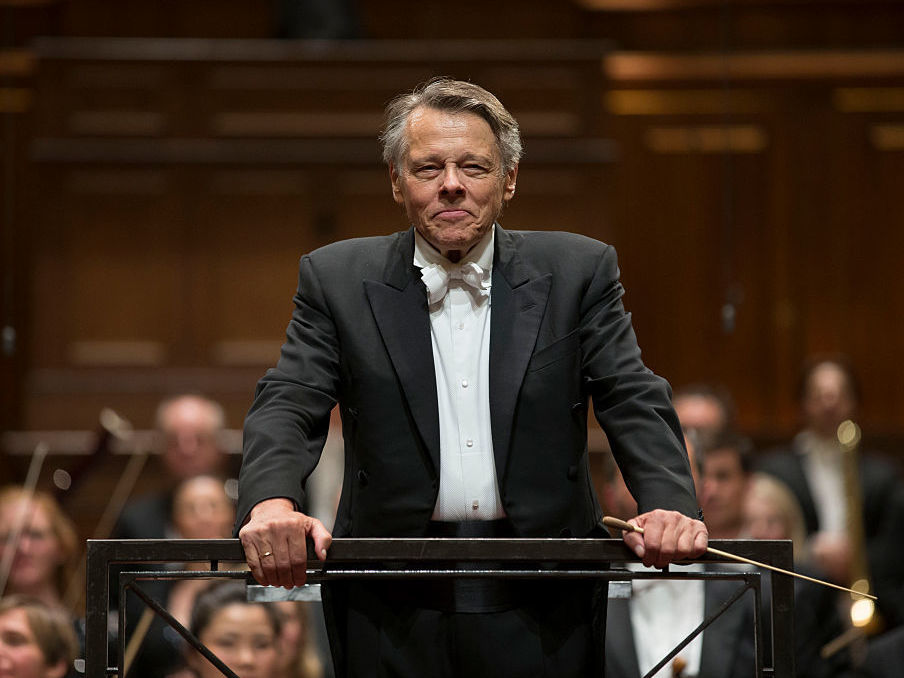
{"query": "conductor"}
(464, 359)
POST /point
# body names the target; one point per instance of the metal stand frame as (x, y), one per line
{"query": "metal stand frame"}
(430, 558)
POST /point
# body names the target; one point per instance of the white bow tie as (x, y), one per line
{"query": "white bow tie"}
(436, 277)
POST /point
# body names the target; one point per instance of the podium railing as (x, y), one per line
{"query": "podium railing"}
(398, 558)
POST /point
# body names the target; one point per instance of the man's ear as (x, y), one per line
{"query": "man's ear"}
(511, 179)
(396, 180)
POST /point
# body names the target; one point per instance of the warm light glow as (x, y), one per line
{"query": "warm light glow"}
(862, 612)
(848, 433)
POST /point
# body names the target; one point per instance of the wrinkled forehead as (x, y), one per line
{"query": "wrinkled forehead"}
(426, 125)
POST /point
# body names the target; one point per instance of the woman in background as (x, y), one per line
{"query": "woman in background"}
(45, 543)
(298, 658)
(772, 512)
(244, 635)
(36, 640)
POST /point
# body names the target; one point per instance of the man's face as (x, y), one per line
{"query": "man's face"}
(828, 400)
(700, 413)
(724, 488)
(191, 439)
(451, 181)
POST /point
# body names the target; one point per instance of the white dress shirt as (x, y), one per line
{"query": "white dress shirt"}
(824, 469)
(663, 613)
(460, 334)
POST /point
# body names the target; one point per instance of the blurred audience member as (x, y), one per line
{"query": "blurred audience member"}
(244, 635)
(36, 640)
(812, 466)
(191, 427)
(706, 410)
(642, 629)
(298, 658)
(772, 512)
(46, 544)
(726, 472)
(201, 510)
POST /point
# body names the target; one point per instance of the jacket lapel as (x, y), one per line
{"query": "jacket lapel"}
(399, 305)
(518, 304)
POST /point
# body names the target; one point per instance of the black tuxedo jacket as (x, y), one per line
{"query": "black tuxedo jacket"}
(360, 337)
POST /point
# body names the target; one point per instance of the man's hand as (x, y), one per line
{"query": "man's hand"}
(275, 542)
(668, 536)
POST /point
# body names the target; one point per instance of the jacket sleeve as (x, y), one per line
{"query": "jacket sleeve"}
(632, 404)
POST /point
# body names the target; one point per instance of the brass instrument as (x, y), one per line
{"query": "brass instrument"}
(863, 610)
(864, 617)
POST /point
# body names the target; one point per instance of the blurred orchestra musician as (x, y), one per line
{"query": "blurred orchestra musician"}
(38, 546)
(191, 429)
(706, 410)
(830, 493)
(658, 614)
(36, 640)
(726, 471)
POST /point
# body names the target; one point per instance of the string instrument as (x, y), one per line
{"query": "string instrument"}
(112, 427)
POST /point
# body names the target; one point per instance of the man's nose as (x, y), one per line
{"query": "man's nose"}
(452, 180)
(188, 443)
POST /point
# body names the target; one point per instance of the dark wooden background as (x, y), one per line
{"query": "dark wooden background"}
(166, 163)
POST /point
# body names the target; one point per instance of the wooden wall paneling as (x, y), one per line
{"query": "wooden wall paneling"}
(138, 18)
(252, 227)
(16, 101)
(867, 212)
(692, 206)
(744, 26)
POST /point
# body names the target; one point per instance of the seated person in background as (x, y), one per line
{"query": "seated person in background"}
(707, 411)
(191, 427)
(659, 614)
(245, 636)
(726, 471)
(36, 640)
(201, 510)
(772, 512)
(812, 467)
(46, 544)
(298, 658)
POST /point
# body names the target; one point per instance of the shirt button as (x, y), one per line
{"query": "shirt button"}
(461, 326)
(475, 505)
(469, 442)
(464, 383)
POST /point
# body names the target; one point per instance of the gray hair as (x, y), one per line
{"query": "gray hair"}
(454, 96)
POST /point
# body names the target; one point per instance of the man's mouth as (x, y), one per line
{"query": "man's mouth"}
(451, 214)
